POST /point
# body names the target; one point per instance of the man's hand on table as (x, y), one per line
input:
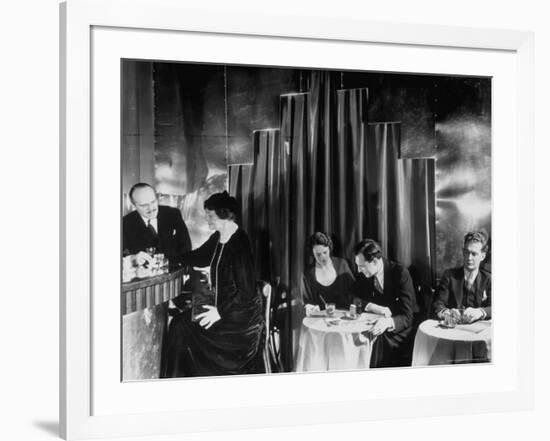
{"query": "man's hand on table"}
(377, 309)
(471, 315)
(380, 326)
(310, 309)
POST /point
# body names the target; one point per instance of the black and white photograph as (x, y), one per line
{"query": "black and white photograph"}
(278, 220)
(285, 219)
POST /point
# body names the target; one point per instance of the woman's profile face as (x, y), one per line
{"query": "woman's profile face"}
(214, 222)
(321, 254)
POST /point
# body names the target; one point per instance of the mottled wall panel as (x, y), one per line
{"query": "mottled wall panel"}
(137, 123)
(189, 126)
(407, 99)
(253, 104)
(463, 163)
(190, 141)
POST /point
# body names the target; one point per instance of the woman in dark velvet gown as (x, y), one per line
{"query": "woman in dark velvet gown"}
(225, 338)
(328, 279)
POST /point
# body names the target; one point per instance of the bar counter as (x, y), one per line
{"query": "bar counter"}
(144, 306)
(150, 291)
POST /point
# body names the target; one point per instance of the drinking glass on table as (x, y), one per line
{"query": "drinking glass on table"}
(158, 259)
(151, 252)
(165, 265)
(460, 315)
(331, 309)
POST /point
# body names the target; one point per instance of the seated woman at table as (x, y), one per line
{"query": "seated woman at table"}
(327, 279)
(225, 338)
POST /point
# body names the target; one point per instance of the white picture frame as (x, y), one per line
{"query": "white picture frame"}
(79, 415)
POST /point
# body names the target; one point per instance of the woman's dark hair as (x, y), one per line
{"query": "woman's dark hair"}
(223, 205)
(319, 238)
(370, 249)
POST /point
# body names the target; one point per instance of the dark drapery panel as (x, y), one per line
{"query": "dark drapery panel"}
(349, 185)
(387, 184)
(294, 136)
(268, 212)
(263, 191)
(321, 114)
(240, 187)
(260, 189)
(401, 191)
(294, 139)
(329, 170)
(423, 250)
(277, 201)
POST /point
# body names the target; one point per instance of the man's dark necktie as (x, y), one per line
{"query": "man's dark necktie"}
(152, 229)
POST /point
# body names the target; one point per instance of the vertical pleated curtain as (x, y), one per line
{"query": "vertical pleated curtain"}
(400, 201)
(327, 169)
(241, 186)
(263, 191)
(350, 205)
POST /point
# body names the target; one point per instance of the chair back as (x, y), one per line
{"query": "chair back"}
(266, 292)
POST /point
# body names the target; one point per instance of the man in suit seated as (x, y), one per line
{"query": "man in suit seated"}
(153, 226)
(466, 287)
(386, 288)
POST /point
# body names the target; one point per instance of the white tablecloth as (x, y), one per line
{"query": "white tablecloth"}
(328, 344)
(435, 345)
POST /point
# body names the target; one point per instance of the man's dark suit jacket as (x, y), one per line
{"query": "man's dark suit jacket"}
(398, 295)
(450, 291)
(173, 238)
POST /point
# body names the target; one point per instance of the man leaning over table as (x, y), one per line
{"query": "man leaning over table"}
(386, 288)
(153, 226)
(466, 287)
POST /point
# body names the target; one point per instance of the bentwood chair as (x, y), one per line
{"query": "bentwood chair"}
(271, 358)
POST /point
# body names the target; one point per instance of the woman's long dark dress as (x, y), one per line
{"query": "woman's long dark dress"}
(231, 345)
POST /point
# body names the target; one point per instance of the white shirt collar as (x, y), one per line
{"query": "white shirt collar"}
(470, 276)
(153, 222)
(380, 274)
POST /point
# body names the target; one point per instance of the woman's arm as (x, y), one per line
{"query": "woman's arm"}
(308, 295)
(201, 256)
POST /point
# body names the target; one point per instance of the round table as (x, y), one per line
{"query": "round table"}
(334, 343)
(436, 345)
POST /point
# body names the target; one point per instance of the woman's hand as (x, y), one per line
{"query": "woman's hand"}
(208, 318)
